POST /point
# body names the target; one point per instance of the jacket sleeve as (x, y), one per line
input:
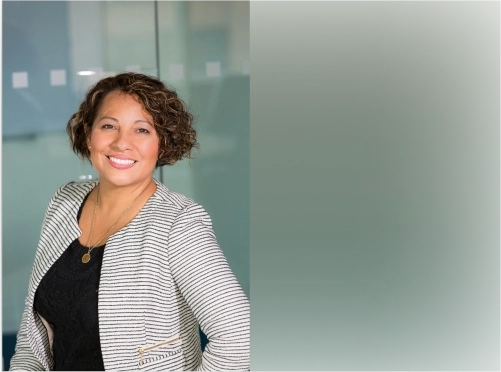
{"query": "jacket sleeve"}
(211, 290)
(24, 358)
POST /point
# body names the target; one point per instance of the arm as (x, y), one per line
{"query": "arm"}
(23, 358)
(211, 290)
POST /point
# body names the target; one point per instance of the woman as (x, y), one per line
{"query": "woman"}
(126, 270)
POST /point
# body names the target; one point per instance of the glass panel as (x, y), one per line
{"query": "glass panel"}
(204, 55)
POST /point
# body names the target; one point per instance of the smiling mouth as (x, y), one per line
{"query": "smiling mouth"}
(121, 161)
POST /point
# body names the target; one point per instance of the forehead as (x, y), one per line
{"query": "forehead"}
(116, 98)
(119, 102)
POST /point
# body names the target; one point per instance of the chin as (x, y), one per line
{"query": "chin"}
(123, 181)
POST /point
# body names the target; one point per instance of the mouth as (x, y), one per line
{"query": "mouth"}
(121, 162)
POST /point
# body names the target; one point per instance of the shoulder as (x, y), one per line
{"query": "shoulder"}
(75, 189)
(72, 192)
(67, 199)
(184, 208)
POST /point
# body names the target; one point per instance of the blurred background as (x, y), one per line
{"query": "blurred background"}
(54, 51)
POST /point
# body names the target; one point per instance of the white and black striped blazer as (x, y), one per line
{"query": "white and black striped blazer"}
(162, 275)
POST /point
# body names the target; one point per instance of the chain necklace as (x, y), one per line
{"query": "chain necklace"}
(86, 256)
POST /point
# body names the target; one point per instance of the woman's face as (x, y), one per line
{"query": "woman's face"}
(123, 141)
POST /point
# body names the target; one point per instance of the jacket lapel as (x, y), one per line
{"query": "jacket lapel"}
(60, 228)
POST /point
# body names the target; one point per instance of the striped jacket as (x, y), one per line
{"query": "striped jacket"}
(162, 275)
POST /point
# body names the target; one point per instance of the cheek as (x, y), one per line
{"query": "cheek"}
(149, 151)
(99, 141)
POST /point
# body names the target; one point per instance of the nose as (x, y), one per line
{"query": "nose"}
(122, 141)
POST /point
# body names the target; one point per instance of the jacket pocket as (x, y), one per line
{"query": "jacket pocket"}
(150, 353)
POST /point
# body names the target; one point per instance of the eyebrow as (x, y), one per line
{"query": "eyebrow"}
(114, 119)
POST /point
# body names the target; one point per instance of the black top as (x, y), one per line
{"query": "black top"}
(67, 298)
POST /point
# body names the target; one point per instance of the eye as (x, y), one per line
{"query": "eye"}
(143, 130)
(107, 126)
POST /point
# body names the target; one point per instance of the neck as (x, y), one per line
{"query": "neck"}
(115, 197)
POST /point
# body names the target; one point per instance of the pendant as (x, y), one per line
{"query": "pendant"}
(86, 258)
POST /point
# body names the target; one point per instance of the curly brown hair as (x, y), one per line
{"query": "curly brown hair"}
(171, 118)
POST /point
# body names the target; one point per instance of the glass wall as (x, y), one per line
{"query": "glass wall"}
(201, 49)
(204, 55)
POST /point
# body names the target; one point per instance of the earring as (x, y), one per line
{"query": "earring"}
(90, 147)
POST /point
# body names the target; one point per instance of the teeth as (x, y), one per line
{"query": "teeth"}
(121, 161)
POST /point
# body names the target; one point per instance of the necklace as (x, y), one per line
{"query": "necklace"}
(86, 256)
